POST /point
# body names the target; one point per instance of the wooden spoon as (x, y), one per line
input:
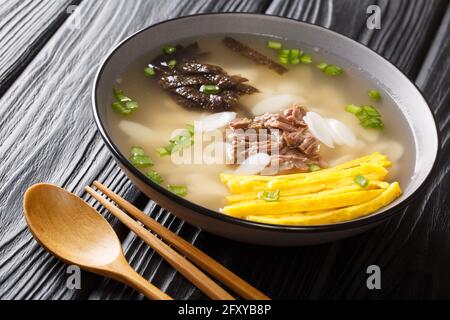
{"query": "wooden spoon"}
(77, 234)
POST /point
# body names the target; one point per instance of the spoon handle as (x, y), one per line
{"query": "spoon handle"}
(124, 273)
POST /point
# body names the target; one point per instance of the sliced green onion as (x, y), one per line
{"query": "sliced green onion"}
(163, 151)
(284, 53)
(330, 69)
(333, 70)
(180, 141)
(368, 116)
(274, 45)
(283, 60)
(155, 177)
(172, 63)
(371, 111)
(149, 71)
(306, 59)
(124, 105)
(169, 49)
(178, 190)
(322, 66)
(119, 107)
(141, 161)
(137, 151)
(294, 53)
(362, 115)
(362, 181)
(131, 105)
(374, 123)
(120, 95)
(374, 95)
(314, 167)
(210, 89)
(353, 108)
(191, 129)
(269, 196)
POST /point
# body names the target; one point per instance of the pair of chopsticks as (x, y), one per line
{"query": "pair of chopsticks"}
(189, 269)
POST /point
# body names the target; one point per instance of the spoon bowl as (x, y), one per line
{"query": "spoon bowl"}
(76, 233)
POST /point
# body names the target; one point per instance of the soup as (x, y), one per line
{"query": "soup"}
(314, 80)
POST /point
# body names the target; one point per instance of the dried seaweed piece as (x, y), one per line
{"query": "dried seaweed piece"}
(253, 55)
(185, 78)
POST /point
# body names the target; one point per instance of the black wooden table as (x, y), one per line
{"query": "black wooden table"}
(47, 62)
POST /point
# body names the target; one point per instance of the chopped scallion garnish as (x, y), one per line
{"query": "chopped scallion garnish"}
(289, 56)
(210, 89)
(368, 116)
(178, 190)
(330, 69)
(353, 108)
(181, 141)
(119, 107)
(283, 60)
(284, 52)
(314, 167)
(306, 59)
(141, 161)
(371, 111)
(274, 45)
(163, 151)
(333, 70)
(172, 63)
(374, 95)
(139, 158)
(294, 53)
(362, 181)
(137, 151)
(124, 105)
(149, 71)
(120, 95)
(190, 128)
(169, 49)
(269, 196)
(322, 66)
(374, 123)
(155, 177)
(131, 105)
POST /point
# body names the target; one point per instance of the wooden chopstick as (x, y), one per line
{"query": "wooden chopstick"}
(197, 256)
(186, 268)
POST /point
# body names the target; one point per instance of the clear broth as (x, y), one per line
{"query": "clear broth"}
(152, 125)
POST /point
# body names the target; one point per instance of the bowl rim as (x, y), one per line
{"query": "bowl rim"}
(340, 226)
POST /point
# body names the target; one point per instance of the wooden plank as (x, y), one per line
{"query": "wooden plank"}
(309, 272)
(50, 135)
(67, 151)
(25, 26)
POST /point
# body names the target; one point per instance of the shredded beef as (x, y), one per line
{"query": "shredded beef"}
(284, 136)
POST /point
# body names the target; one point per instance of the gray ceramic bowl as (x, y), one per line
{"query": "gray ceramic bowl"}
(407, 97)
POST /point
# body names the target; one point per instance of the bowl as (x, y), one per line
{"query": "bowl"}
(406, 96)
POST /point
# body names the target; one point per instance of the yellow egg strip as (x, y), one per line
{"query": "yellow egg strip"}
(240, 185)
(308, 202)
(334, 216)
(341, 186)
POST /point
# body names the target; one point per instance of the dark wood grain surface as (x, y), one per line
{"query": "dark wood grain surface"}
(47, 134)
